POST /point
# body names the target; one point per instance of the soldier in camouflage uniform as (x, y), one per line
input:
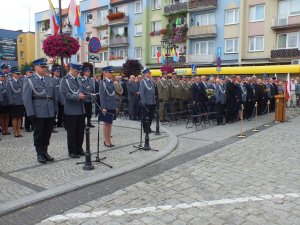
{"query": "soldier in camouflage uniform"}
(174, 92)
(163, 95)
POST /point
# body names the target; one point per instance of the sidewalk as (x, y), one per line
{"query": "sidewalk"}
(23, 181)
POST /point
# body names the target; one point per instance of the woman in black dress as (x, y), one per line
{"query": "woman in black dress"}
(14, 94)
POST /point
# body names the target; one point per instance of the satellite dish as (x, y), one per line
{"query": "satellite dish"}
(90, 16)
(87, 39)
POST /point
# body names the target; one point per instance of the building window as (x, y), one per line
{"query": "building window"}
(138, 29)
(154, 50)
(21, 42)
(156, 4)
(256, 43)
(205, 19)
(88, 17)
(156, 26)
(102, 15)
(204, 47)
(45, 25)
(286, 41)
(295, 7)
(138, 7)
(257, 13)
(22, 54)
(78, 58)
(104, 56)
(231, 16)
(138, 53)
(120, 8)
(103, 34)
(231, 45)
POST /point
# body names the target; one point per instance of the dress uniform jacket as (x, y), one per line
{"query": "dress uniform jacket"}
(88, 87)
(147, 92)
(14, 92)
(118, 90)
(163, 90)
(133, 99)
(40, 98)
(220, 94)
(70, 88)
(3, 91)
(107, 95)
(56, 82)
(174, 89)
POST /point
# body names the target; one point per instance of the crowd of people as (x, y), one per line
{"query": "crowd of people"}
(46, 100)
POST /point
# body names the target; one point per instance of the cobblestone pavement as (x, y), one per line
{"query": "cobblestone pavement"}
(250, 181)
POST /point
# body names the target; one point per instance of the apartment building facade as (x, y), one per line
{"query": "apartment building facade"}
(241, 32)
(26, 48)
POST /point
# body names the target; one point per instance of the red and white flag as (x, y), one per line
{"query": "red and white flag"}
(73, 14)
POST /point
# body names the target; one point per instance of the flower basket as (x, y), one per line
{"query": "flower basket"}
(115, 16)
(154, 33)
(163, 31)
(167, 68)
(60, 45)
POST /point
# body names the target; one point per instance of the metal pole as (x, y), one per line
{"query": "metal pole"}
(60, 32)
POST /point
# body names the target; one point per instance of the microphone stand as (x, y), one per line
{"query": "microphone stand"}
(147, 131)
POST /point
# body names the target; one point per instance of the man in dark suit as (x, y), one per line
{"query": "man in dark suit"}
(250, 100)
(195, 95)
(220, 98)
(231, 99)
(133, 98)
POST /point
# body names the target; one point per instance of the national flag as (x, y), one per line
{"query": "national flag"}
(288, 88)
(73, 14)
(158, 56)
(81, 28)
(173, 53)
(54, 20)
(163, 58)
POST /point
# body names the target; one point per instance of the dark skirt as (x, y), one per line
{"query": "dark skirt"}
(4, 109)
(17, 111)
(113, 111)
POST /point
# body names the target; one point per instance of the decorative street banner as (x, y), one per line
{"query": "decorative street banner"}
(8, 49)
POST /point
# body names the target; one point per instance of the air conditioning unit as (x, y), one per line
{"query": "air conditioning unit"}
(295, 62)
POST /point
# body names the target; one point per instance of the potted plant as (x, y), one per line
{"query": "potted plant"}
(163, 31)
(115, 16)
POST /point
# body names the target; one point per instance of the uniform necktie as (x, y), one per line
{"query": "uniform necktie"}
(42, 79)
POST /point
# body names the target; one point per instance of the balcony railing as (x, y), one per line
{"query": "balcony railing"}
(104, 43)
(207, 58)
(123, 20)
(285, 54)
(99, 23)
(195, 5)
(182, 59)
(177, 7)
(118, 41)
(202, 31)
(285, 23)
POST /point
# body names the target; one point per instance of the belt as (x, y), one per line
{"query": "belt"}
(43, 98)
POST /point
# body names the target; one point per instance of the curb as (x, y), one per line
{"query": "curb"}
(25, 201)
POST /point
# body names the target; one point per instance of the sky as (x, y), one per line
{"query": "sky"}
(15, 13)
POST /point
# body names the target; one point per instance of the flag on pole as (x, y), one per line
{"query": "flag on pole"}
(288, 88)
(73, 14)
(163, 58)
(54, 21)
(158, 56)
(173, 53)
(81, 28)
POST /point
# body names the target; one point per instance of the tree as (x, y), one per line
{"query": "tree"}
(132, 67)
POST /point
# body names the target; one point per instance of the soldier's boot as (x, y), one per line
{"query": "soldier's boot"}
(47, 156)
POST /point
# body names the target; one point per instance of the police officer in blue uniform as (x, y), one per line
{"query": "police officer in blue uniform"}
(88, 89)
(40, 101)
(4, 105)
(108, 102)
(73, 97)
(147, 95)
(14, 94)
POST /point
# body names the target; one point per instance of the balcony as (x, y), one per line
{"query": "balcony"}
(288, 54)
(117, 63)
(173, 8)
(182, 59)
(202, 31)
(100, 23)
(104, 43)
(118, 42)
(207, 58)
(120, 21)
(199, 5)
(285, 23)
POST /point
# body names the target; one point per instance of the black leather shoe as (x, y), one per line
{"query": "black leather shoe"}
(81, 153)
(90, 125)
(74, 156)
(106, 145)
(48, 157)
(41, 159)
